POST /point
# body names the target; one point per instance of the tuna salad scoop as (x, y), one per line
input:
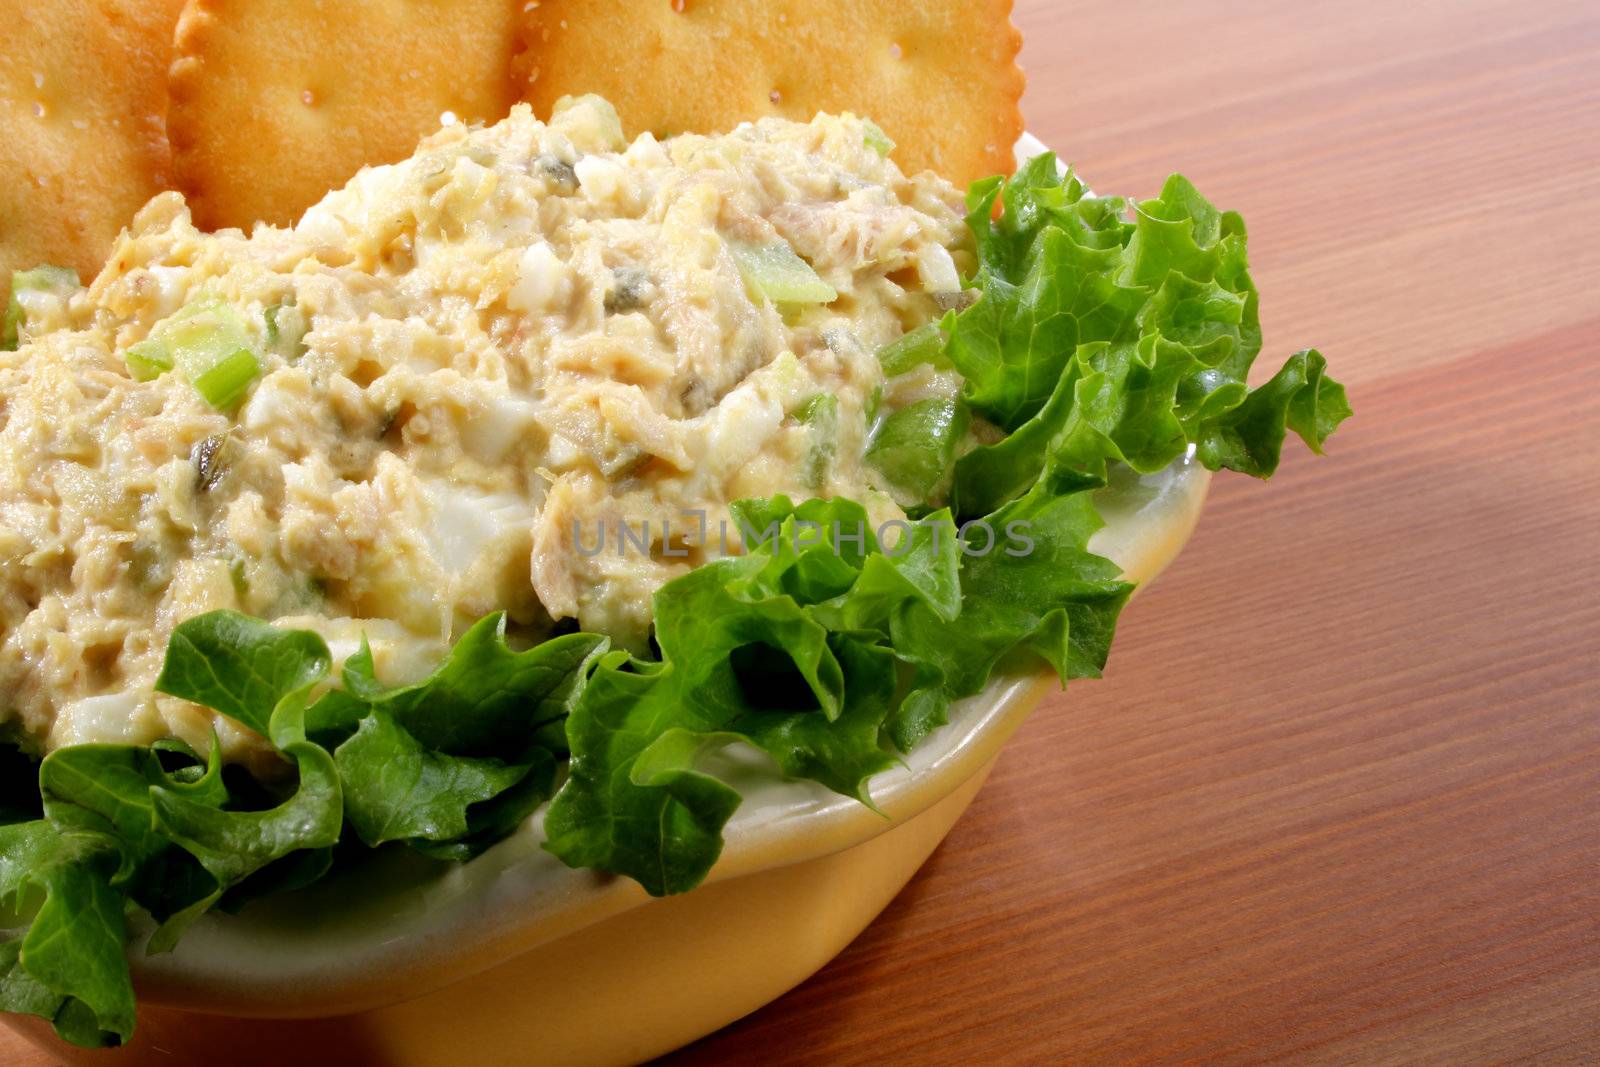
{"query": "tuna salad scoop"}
(526, 369)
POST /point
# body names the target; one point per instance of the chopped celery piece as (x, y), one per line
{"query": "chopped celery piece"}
(925, 344)
(915, 448)
(26, 287)
(147, 360)
(223, 384)
(211, 347)
(821, 413)
(775, 272)
(876, 139)
(286, 329)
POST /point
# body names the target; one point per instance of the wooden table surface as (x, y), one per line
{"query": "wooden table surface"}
(1338, 799)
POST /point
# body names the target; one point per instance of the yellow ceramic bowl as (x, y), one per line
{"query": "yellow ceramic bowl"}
(515, 959)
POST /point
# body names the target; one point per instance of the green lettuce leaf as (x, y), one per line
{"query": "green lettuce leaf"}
(826, 555)
(1034, 589)
(74, 947)
(1300, 397)
(107, 790)
(485, 699)
(69, 965)
(491, 821)
(22, 993)
(914, 448)
(239, 666)
(844, 752)
(722, 632)
(1098, 339)
(662, 828)
(402, 765)
(1113, 403)
(296, 870)
(396, 789)
(1048, 283)
(235, 844)
(783, 649)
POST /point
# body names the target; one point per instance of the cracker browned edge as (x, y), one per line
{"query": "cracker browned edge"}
(1010, 120)
(195, 24)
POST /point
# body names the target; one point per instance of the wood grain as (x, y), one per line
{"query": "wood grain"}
(1338, 800)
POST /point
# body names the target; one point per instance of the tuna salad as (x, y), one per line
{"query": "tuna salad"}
(409, 408)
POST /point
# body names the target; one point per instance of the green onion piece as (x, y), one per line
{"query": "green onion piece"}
(58, 282)
(925, 344)
(775, 272)
(224, 383)
(147, 360)
(876, 139)
(211, 347)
